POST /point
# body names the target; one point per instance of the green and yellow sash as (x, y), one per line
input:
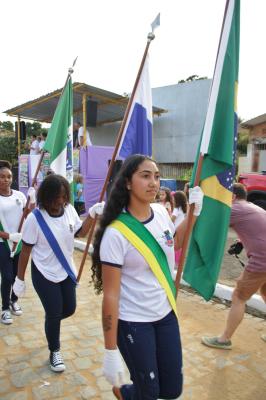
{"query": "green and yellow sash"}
(139, 236)
(19, 245)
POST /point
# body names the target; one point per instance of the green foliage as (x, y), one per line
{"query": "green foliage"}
(242, 142)
(8, 149)
(186, 175)
(7, 125)
(35, 128)
(193, 78)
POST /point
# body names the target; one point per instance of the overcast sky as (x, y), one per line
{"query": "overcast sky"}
(40, 39)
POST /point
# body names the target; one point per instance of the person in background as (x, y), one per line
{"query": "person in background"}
(178, 215)
(53, 279)
(79, 201)
(165, 199)
(81, 138)
(249, 222)
(34, 145)
(12, 204)
(186, 190)
(76, 127)
(42, 141)
(138, 315)
(180, 208)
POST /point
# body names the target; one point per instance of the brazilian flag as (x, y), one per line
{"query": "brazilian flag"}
(218, 145)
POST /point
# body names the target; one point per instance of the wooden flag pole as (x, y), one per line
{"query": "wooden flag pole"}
(188, 228)
(151, 36)
(25, 211)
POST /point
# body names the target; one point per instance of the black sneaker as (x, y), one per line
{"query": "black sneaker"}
(56, 361)
(6, 317)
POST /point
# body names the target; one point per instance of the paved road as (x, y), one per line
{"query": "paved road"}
(239, 374)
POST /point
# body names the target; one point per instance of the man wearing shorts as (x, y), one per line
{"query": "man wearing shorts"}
(249, 222)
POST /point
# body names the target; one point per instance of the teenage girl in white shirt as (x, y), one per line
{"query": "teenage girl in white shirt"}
(137, 316)
(54, 286)
(12, 204)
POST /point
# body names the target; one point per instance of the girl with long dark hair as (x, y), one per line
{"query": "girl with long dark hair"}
(133, 264)
(165, 199)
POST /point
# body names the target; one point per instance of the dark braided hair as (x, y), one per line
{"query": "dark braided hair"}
(117, 201)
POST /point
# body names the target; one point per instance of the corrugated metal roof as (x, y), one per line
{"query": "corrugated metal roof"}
(111, 106)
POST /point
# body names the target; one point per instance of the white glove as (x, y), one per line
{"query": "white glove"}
(32, 195)
(19, 287)
(97, 208)
(15, 237)
(196, 196)
(91, 249)
(113, 368)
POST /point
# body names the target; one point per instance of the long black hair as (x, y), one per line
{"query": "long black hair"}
(117, 201)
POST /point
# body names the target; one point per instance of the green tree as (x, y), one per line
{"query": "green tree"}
(7, 125)
(8, 149)
(193, 78)
(35, 128)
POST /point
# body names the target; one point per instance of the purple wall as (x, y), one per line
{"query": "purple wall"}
(93, 164)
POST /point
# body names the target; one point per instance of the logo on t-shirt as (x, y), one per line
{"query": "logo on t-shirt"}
(18, 202)
(169, 241)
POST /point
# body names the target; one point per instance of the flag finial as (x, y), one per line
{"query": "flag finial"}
(154, 25)
(71, 69)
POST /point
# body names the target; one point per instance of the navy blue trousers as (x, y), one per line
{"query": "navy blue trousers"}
(59, 302)
(8, 269)
(153, 354)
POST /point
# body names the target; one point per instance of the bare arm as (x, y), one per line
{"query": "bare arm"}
(81, 139)
(173, 218)
(111, 293)
(85, 227)
(4, 235)
(23, 260)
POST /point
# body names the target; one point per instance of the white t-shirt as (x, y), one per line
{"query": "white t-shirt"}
(11, 209)
(34, 147)
(80, 134)
(142, 299)
(64, 229)
(180, 216)
(41, 144)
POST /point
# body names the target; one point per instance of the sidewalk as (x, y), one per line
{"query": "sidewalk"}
(239, 374)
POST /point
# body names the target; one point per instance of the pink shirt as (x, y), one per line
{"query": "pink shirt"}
(249, 222)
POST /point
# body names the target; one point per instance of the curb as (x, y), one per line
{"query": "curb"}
(223, 292)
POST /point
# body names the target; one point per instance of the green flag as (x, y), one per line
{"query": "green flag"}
(59, 142)
(218, 145)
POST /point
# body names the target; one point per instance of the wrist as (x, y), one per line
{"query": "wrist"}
(110, 348)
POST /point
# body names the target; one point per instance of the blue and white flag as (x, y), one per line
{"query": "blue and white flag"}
(137, 135)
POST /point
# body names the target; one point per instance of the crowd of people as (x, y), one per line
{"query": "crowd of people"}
(137, 247)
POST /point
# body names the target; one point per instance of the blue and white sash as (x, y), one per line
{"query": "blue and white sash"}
(54, 244)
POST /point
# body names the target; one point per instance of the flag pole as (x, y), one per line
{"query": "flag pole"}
(34, 181)
(150, 37)
(196, 183)
(188, 228)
